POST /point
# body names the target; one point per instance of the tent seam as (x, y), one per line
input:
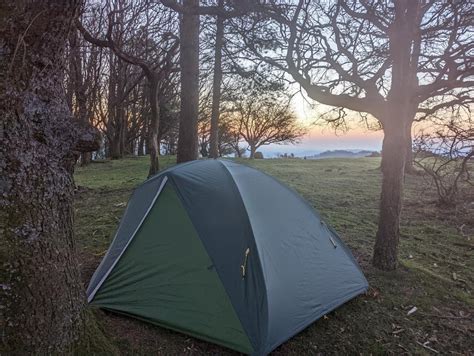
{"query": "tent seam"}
(257, 252)
(181, 199)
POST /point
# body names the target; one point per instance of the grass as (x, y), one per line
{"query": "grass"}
(435, 274)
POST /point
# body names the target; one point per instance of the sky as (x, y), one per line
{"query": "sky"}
(321, 137)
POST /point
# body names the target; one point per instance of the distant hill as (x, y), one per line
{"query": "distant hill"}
(343, 154)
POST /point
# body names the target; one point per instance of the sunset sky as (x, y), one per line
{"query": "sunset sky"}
(322, 137)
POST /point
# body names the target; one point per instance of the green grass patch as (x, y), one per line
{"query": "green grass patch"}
(435, 274)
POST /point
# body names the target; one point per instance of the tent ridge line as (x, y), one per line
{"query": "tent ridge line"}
(106, 274)
(168, 170)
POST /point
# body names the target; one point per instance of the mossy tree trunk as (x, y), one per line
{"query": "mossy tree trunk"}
(44, 299)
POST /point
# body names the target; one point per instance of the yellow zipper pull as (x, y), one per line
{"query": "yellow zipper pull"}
(244, 265)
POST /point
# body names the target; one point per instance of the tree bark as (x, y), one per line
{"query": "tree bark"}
(116, 113)
(189, 61)
(42, 293)
(409, 166)
(121, 118)
(393, 164)
(142, 141)
(154, 127)
(216, 86)
(114, 147)
(400, 110)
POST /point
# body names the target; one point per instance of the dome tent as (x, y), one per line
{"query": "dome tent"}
(224, 253)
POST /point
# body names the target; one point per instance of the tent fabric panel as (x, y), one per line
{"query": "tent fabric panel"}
(166, 277)
(305, 274)
(229, 345)
(137, 207)
(215, 207)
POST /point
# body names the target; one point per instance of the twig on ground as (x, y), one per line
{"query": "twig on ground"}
(427, 347)
(403, 347)
(446, 316)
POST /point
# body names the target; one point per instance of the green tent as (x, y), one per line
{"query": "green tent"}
(227, 254)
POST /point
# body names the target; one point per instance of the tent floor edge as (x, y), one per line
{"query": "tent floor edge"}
(234, 347)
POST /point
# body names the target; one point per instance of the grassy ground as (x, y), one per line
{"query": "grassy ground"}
(435, 275)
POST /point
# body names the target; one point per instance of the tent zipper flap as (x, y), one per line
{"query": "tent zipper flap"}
(91, 296)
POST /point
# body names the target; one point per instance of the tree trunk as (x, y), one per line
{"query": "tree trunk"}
(154, 126)
(189, 61)
(253, 149)
(76, 78)
(400, 109)
(114, 146)
(141, 143)
(216, 87)
(121, 118)
(43, 297)
(393, 164)
(86, 158)
(116, 112)
(123, 131)
(409, 167)
(172, 145)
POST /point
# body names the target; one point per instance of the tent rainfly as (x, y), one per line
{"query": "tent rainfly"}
(227, 254)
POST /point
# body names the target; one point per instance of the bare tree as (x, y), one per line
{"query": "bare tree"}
(445, 153)
(83, 82)
(155, 67)
(43, 299)
(190, 11)
(262, 118)
(389, 59)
